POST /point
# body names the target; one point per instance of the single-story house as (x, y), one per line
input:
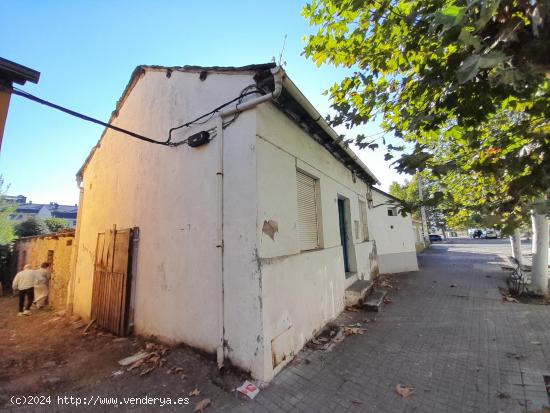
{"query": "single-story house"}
(239, 234)
(393, 232)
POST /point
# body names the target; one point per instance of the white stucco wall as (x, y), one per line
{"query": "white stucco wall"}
(301, 291)
(266, 295)
(172, 195)
(394, 237)
(242, 281)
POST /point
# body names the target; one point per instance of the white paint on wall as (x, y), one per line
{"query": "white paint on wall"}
(171, 194)
(301, 290)
(394, 236)
(265, 295)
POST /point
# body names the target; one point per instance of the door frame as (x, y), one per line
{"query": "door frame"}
(346, 236)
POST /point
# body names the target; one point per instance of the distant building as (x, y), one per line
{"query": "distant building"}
(26, 210)
(17, 199)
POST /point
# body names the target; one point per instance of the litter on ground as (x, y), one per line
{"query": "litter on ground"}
(248, 389)
(203, 404)
(404, 391)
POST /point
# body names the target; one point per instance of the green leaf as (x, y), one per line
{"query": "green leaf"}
(468, 68)
(469, 39)
(448, 17)
(491, 59)
(488, 11)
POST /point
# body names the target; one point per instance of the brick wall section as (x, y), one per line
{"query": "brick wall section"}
(35, 251)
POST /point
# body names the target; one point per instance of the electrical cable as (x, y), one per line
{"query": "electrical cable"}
(167, 142)
(212, 112)
(27, 95)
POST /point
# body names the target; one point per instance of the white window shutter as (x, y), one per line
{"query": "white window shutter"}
(308, 225)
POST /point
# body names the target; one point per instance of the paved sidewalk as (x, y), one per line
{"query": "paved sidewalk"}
(461, 347)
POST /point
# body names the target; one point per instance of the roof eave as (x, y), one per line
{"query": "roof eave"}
(388, 195)
(17, 73)
(297, 95)
(136, 75)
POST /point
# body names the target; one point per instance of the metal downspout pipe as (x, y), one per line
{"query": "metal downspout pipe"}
(278, 75)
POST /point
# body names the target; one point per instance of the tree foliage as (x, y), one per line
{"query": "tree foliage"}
(437, 205)
(30, 227)
(7, 234)
(55, 224)
(465, 81)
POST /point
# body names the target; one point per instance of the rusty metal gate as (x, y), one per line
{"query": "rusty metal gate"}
(111, 289)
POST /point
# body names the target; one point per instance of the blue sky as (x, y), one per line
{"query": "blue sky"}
(86, 51)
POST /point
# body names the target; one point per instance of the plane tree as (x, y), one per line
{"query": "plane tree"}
(465, 83)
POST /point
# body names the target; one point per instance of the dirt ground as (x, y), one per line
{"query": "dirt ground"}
(48, 354)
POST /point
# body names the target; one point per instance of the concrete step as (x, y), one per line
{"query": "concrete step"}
(356, 292)
(374, 301)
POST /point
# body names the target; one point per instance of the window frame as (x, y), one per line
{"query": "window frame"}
(317, 213)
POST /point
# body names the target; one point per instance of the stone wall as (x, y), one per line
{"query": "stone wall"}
(56, 248)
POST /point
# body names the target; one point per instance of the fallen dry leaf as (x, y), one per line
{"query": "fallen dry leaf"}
(136, 365)
(385, 284)
(147, 370)
(509, 299)
(356, 402)
(351, 309)
(174, 370)
(404, 391)
(203, 404)
(154, 358)
(352, 331)
(195, 392)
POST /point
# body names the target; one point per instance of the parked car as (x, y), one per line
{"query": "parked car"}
(435, 238)
(489, 233)
(477, 233)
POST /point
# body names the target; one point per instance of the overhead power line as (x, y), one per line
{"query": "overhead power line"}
(167, 142)
(27, 95)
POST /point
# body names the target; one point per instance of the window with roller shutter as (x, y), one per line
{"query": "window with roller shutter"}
(308, 214)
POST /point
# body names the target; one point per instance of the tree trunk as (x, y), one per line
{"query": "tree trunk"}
(515, 241)
(539, 274)
(534, 236)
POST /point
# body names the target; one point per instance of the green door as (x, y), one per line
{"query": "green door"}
(343, 232)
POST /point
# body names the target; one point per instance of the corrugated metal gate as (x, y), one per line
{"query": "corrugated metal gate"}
(111, 290)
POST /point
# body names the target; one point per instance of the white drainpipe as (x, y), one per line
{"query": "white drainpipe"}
(278, 75)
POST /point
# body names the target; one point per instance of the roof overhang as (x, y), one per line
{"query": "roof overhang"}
(299, 108)
(394, 198)
(16, 73)
(291, 101)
